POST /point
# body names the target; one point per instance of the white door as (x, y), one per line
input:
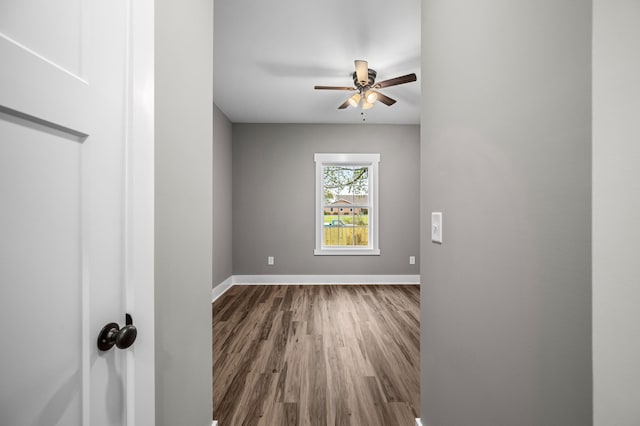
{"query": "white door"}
(70, 261)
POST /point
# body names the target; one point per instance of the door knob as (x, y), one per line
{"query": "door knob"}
(112, 334)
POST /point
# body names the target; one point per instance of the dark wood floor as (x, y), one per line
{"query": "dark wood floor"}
(317, 355)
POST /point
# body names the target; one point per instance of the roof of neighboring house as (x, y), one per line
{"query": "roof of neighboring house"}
(346, 200)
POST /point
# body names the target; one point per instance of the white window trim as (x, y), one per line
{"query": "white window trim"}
(370, 160)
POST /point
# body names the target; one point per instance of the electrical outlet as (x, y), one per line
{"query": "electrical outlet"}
(270, 260)
(412, 260)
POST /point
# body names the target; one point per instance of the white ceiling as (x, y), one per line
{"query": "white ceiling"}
(268, 56)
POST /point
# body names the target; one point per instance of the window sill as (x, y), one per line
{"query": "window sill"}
(346, 252)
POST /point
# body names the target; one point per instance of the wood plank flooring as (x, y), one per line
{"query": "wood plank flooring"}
(317, 355)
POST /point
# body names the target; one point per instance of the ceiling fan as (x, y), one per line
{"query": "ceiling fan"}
(364, 80)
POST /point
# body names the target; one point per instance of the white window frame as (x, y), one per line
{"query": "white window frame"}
(344, 159)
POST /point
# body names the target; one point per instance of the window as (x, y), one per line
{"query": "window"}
(347, 204)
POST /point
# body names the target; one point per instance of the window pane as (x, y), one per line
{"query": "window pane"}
(346, 191)
(345, 185)
(343, 230)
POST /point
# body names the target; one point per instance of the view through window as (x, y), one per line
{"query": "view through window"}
(346, 205)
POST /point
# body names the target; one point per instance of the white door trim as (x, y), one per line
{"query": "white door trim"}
(139, 213)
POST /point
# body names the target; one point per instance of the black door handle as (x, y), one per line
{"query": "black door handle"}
(112, 334)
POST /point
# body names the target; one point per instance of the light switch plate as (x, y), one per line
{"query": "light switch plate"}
(270, 260)
(436, 227)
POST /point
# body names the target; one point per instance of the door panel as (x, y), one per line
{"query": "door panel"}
(40, 271)
(33, 83)
(19, 19)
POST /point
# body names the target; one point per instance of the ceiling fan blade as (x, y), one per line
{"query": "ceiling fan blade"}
(395, 81)
(334, 88)
(344, 105)
(362, 71)
(385, 99)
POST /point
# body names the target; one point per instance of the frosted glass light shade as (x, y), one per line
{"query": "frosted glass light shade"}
(354, 100)
(371, 96)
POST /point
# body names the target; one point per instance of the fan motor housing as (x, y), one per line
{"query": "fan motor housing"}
(372, 79)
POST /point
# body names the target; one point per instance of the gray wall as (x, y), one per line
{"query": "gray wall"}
(222, 215)
(274, 193)
(183, 116)
(506, 156)
(616, 213)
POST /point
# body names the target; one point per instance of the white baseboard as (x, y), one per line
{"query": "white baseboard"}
(326, 279)
(214, 423)
(221, 288)
(418, 422)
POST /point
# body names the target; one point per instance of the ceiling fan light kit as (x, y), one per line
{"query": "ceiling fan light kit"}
(371, 96)
(364, 80)
(354, 100)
